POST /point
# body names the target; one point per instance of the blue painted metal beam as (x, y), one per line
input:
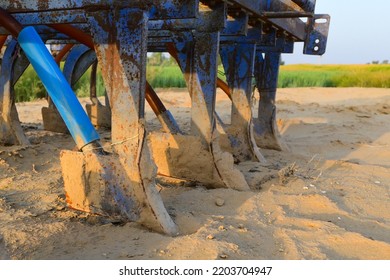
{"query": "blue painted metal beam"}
(171, 15)
(161, 9)
(164, 9)
(306, 5)
(59, 90)
(237, 26)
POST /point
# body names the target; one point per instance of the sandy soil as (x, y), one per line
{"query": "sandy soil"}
(333, 204)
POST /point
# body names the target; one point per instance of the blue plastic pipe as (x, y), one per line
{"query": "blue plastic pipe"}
(75, 118)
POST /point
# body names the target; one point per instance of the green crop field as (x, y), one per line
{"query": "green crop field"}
(29, 86)
(375, 76)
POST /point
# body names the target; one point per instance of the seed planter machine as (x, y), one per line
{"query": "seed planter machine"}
(248, 35)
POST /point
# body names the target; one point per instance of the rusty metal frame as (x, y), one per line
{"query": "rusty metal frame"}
(122, 183)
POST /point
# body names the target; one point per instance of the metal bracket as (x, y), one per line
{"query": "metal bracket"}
(317, 37)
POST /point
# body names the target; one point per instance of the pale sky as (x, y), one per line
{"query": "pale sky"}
(359, 33)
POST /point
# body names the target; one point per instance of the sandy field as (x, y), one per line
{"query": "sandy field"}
(332, 203)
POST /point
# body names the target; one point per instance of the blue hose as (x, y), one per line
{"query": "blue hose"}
(70, 109)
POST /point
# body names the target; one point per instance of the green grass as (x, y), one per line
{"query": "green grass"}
(29, 86)
(165, 77)
(376, 76)
(169, 76)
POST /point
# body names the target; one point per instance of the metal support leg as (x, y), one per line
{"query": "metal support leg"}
(238, 60)
(124, 180)
(197, 57)
(14, 63)
(266, 131)
(198, 157)
(99, 114)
